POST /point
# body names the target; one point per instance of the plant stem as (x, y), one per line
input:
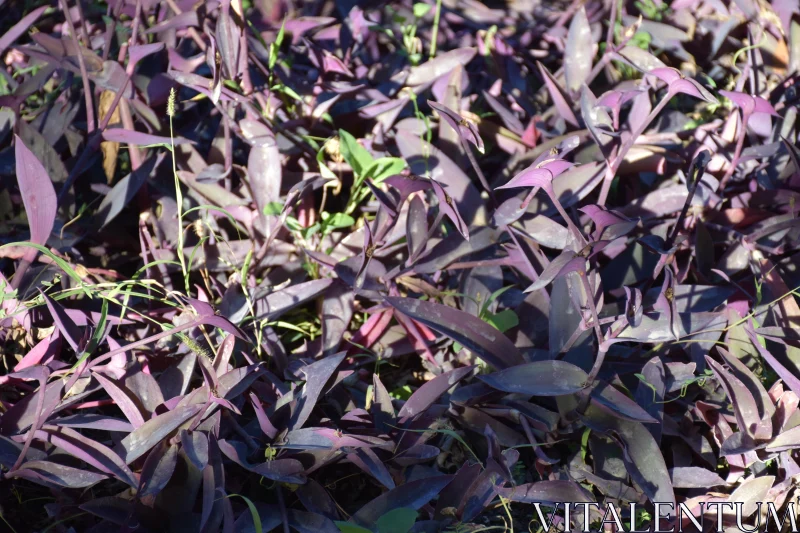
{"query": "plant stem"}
(87, 91)
(435, 34)
(179, 201)
(736, 154)
(474, 163)
(695, 175)
(551, 193)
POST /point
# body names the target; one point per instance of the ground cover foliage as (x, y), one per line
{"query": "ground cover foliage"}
(327, 266)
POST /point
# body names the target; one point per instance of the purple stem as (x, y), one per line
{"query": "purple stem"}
(87, 91)
(478, 171)
(552, 194)
(736, 153)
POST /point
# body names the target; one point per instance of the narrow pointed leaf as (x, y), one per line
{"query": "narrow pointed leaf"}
(540, 378)
(38, 194)
(153, 431)
(488, 343)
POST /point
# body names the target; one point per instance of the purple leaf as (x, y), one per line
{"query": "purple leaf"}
(227, 37)
(642, 455)
(112, 509)
(419, 453)
(366, 460)
(737, 368)
(449, 208)
(413, 495)
(667, 302)
(329, 439)
(385, 199)
(316, 499)
(676, 83)
(650, 393)
(509, 119)
(87, 450)
(424, 158)
(407, 185)
(750, 104)
(538, 175)
(440, 65)
(454, 247)
(317, 375)
(416, 226)
(337, 311)
(555, 269)
(633, 306)
(195, 446)
(154, 431)
(424, 396)
(124, 191)
(667, 74)
(19, 29)
(65, 325)
(263, 420)
(284, 470)
(24, 413)
(788, 440)
(263, 164)
(694, 477)
(620, 405)
(790, 379)
(121, 397)
(580, 51)
(559, 98)
(272, 305)
(48, 472)
(157, 470)
(38, 195)
(92, 421)
(180, 21)
(140, 51)
(597, 122)
(488, 343)
(138, 138)
(540, 378)
(466, 129)
(144, 387)
(547, 492)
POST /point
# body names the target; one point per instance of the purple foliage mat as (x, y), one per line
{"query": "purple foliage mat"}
(305, 265)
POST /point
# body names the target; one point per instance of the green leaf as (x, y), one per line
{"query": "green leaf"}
(63, 265)
(420, 9)
(347, 527)
(10, 295)
(273, 209)
(399, 520)
(356, 155)
(293, 224)
(402, 393)
(338, 220)
(323, 168)
(275, 47)
(585, 442)
(97, 336)
(504, 320)
(253, 512)
(384, 167)
(494, 296)
(449, 432)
